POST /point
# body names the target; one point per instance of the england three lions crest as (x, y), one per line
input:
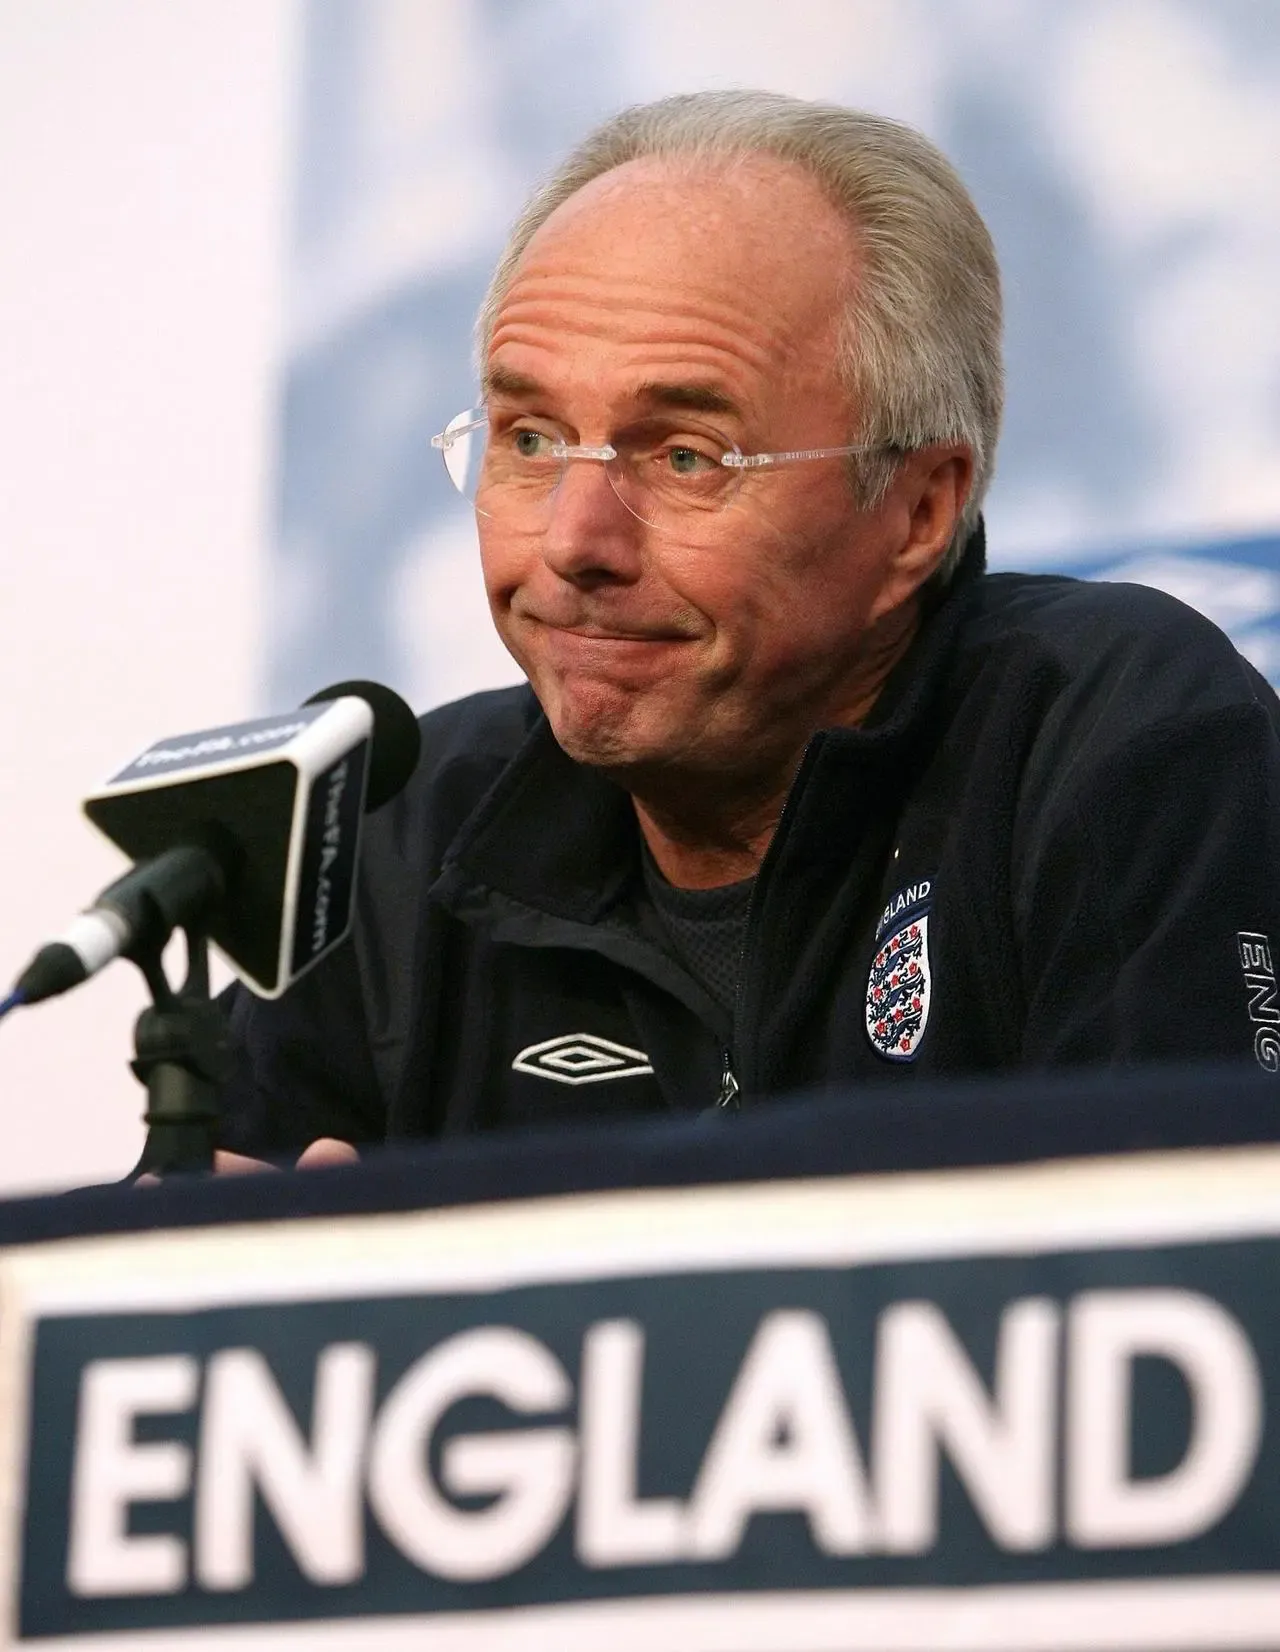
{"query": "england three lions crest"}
(899, 983)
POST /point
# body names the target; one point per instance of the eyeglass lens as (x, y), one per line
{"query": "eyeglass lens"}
(658, 473)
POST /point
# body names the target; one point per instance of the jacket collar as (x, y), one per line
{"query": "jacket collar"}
(561, 839)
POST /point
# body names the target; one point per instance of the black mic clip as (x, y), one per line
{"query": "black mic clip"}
(182, 1053)
(183, 1056)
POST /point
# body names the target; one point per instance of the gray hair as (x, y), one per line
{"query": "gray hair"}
(920, 343)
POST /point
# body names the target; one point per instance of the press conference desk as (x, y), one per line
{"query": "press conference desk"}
(978, 1366)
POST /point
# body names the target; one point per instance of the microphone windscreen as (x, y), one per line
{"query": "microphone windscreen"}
(396, 738)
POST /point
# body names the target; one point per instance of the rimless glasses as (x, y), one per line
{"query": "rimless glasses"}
(663, 475)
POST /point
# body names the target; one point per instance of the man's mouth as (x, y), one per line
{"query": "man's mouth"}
(595, 631)
(607, 649)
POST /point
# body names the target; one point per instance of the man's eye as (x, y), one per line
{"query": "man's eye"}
(531, 444)
(688, 461)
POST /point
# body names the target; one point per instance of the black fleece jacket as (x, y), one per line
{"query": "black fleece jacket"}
(1065, 813)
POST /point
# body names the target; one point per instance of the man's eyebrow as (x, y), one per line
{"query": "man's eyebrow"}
(503, 381)
(682, 397)
(689, 398)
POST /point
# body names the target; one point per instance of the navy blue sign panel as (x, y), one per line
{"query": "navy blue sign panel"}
(1092, 1418)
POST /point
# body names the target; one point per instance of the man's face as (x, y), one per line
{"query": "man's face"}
(710, 298)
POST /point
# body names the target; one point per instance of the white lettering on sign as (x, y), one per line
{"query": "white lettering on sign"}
(528, 1472)
(249, 1442)
(929, 1397)
(1106, 1508)
(615, 1527)
(113, 1471)
(784, 1441)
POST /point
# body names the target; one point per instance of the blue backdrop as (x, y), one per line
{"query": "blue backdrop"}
(1124, 153)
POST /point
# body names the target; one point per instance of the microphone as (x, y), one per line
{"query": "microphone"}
(251, 829)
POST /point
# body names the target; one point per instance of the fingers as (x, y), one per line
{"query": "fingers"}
(226, 1163)
(316, 1156)
(327, 1151)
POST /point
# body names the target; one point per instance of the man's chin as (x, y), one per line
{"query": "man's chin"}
(599, 748)
(613, 745)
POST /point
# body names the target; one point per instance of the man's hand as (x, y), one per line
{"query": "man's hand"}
(326, 1151)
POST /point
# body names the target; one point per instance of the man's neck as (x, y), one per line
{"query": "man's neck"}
(706, 855)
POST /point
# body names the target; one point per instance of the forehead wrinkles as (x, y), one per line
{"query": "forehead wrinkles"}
(627, 313)
(740, 270)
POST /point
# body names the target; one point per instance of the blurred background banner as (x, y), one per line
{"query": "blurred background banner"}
(1123, 152)
(244, 243)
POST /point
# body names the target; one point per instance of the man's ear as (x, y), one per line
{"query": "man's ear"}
(926, 499)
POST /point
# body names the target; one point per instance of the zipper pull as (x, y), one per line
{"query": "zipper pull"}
(727, 1100)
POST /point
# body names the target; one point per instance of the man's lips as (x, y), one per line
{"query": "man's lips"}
(604, 648)
(592, 632)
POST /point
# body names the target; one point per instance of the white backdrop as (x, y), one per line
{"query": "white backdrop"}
(144, 147)
(240, 242)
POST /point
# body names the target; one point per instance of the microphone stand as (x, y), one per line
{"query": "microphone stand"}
(183, 1056)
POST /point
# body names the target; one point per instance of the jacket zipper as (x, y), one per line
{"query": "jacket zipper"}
(729, 1098)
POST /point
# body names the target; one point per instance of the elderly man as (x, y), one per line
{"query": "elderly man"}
(797, 794)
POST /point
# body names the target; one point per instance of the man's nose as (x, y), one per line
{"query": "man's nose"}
(591, 537)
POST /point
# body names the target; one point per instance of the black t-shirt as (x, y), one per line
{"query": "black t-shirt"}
(706, 928)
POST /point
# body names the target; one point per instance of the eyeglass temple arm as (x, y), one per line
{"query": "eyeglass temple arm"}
(757, 461)
(447, 438)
